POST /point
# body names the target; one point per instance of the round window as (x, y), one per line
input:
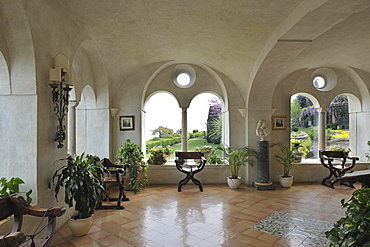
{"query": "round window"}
(319, 82)
(183, 75)
(183, 79)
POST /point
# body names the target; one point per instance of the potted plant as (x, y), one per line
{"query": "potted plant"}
(130, 153)
(82, 179)
(236, 158)
(11, 186)
(353, 229)
(288, 160)
(157, 156)
(206, 149)
(168, 151)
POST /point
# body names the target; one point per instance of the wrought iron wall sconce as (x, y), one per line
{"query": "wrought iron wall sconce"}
(60, 92)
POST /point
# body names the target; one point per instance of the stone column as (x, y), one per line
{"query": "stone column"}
(321, 130)
(71, 127)
(184, 130)
(263, 167)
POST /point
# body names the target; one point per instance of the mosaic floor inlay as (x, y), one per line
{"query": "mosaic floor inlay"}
(309, 232)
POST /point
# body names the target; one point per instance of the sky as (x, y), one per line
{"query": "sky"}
(162, 109)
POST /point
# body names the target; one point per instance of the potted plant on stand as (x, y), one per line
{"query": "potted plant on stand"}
(130, 153)
(82, 179)
(288, 159)
(236, 158)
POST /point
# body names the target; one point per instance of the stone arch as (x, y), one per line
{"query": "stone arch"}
(89, 69)
(4, 76)
(162, 77)
(20, 49)
(85, 106)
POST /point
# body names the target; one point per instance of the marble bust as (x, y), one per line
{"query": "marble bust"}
(262, 130)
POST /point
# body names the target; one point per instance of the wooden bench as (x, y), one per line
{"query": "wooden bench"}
(17, 206)
(336, 170)
(362, 176)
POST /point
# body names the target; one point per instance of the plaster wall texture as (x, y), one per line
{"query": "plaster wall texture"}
(19, 139)
(97, 132)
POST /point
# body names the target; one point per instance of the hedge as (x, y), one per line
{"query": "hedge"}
(169, 140)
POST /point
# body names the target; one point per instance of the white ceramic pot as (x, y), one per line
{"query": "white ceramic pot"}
(234, 183)
(80, 227)
(286, 182)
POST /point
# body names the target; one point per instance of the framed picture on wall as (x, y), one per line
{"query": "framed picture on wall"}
(278, 123)
(127, 123)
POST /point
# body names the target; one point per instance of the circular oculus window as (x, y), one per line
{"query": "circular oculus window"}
(319, 82)
(183, 79)
(183, 75)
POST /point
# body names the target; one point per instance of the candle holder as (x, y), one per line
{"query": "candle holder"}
(60, 92)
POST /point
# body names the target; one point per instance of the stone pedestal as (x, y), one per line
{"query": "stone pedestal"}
(263, 170)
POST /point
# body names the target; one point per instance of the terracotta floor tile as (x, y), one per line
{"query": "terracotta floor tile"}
(219, 216)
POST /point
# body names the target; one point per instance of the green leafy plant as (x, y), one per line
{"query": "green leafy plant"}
(368, 154)
(157, 156)
(130, 153)
(354, 228)
(288, 157)
(213, 158)
(11, 186)
(82, 179)
(237, 157)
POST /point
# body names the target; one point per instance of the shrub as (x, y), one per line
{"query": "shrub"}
(354, 228)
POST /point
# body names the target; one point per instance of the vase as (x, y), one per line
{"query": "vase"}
(234, 183)
(80, 227)
(286, 182)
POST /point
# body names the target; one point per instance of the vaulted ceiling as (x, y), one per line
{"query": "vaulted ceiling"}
(234, 37)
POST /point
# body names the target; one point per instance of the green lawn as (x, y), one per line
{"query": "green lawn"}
(192, 143)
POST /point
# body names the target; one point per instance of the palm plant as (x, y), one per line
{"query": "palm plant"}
(237, 157)
(288, 157)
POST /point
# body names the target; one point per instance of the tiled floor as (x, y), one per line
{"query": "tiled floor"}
(219, 216)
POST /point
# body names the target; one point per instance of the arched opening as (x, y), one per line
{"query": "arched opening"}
(304, 121)
(84, 120)
(338, 124)
(205, 115)
(163, 122)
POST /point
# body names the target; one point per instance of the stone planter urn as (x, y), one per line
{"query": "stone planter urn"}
(80, 227)
(234, 183)
(286, 182)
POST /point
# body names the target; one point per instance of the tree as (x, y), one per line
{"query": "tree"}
(338, 111)
(295, 113)
(214, 122)
(162, 131)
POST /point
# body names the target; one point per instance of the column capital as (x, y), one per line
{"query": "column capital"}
(320, 109)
